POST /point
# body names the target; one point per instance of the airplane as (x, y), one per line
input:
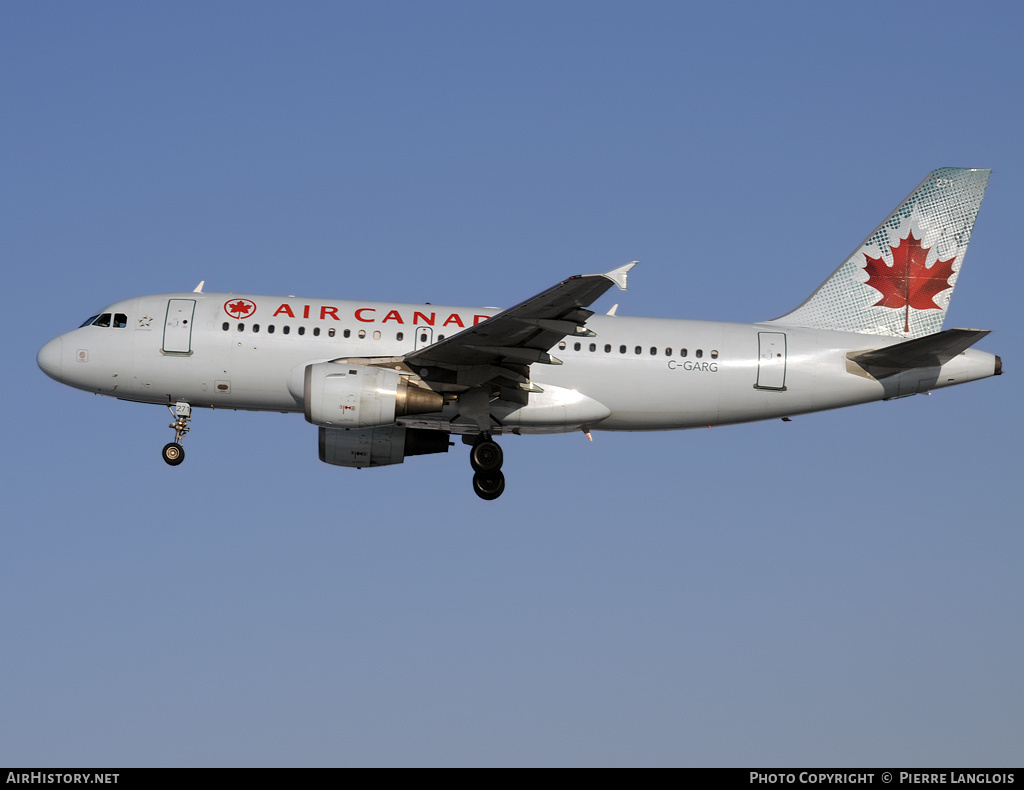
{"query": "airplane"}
(384, 381)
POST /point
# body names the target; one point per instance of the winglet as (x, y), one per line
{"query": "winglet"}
(199, 288)
(618, 276)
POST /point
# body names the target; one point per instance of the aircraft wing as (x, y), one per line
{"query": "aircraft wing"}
(522, 335)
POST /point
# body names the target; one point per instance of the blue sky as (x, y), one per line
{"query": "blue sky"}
(843, 589)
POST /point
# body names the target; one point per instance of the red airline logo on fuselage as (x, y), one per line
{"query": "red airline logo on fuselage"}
(239, 308)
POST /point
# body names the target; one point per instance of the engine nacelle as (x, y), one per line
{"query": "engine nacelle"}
(378, 446)
(341, 395)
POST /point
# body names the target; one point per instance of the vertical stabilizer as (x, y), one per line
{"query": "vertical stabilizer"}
(900, 280)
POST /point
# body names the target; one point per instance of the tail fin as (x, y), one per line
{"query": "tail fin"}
(900, 280)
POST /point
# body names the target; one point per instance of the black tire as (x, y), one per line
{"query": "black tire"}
(173, 454)
(488, 485)
(486, 456)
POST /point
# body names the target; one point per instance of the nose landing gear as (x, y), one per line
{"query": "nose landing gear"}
(173, 452)
(486, 458)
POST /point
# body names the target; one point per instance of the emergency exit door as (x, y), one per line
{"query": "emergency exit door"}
(771, 361)
(424, 336)
(178, 326)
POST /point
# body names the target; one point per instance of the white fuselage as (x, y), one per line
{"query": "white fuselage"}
(643, 373)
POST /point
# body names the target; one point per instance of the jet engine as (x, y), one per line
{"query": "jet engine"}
(342, 395)
(378, 446)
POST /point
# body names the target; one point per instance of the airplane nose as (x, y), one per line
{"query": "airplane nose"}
(49, 357)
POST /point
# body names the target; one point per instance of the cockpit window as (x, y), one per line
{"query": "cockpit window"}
(89, 320)
(119, 320)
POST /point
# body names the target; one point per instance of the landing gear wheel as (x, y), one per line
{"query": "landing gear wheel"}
(173, 453)
(488, 485)
(182, 413)
(486, 456)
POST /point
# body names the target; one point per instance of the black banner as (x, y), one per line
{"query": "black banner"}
(962, 777)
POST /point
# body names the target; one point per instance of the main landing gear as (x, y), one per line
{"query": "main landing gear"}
(173, 452)
(486, 458)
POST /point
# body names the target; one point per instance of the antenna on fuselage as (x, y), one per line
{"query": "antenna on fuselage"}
(199, 288)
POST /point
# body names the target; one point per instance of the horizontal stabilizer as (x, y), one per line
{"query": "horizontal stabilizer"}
(923, 352)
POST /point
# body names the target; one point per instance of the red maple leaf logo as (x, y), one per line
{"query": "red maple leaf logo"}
(240, 308)
(908, 282)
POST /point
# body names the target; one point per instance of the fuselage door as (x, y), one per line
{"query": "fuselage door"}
(424, 336)
(771, 361)
(178, 326)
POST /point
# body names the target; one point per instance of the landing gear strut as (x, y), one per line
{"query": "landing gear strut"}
(173, 452)
(486, 458)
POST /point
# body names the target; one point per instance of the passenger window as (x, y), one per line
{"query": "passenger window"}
(423, 337)
(255, 327)
(654, 351)
(593, 346)
(400, 337)
(714, 355)
(347, 333)
(225, 326)
(241, 327)
(577, 347)
(682, 352)
(120, 320)
(607, 348)
(270, 329)
(362, 334)
(638, 350)
(376, 334)
(622, 349)
(302, 330)
(103, 320)
(668, 352)
(698, 353)
(330, 332)
(286, 329)
(440, 338)
(561, 346)
(316, 331)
